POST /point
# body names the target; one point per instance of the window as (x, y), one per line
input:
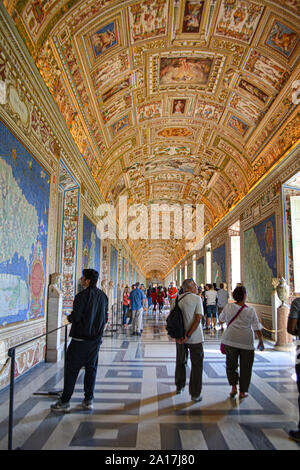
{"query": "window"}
(208, 264)
(235, 260)
(295, 221)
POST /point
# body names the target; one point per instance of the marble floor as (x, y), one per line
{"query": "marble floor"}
(136, 407)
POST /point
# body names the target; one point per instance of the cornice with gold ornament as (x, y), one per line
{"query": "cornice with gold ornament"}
(268, 188)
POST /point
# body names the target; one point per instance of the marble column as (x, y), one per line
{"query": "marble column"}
(284, 339)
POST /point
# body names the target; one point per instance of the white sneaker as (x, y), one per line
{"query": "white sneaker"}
(87, 404)
(195, 399)
(61, 407)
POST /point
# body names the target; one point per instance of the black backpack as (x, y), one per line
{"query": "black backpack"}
(175, 325)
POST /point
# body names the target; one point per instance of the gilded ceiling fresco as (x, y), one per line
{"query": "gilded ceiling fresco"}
(177, 101)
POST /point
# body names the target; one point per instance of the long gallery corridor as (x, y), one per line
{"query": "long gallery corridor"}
(136, 406)
(154, 142)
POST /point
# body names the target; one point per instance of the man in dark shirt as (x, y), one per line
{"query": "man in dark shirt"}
(88, 318)
(293, 328)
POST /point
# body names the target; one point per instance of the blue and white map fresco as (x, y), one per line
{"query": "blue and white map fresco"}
(24, 202)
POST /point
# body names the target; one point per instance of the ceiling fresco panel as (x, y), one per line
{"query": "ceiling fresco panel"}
(238, 19)
(170, 101)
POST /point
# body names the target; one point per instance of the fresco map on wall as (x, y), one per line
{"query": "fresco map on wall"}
(24, 203)
(200, 274)
(90, 246)
(260, 261)
(219, 264)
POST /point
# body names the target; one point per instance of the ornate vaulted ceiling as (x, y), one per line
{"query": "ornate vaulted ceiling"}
(176, 101)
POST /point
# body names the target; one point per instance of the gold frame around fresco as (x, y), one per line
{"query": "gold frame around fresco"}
(199, 35)
(153, 79)
(225, 122)
(277, 55)
(268, 91)
(97, 26)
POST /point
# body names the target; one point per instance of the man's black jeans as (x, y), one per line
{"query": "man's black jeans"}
(81, 354)
(298, 385)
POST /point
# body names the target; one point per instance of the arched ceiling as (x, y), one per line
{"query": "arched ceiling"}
(176, 101)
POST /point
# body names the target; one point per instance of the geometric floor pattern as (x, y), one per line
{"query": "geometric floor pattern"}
(136, 408)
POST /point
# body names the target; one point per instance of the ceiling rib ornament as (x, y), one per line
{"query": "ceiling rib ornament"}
(180, 102)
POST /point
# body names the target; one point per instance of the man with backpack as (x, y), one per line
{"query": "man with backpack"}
(191, 308)
(293, 327)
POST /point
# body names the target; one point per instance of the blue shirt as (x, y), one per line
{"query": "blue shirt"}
(136, 296)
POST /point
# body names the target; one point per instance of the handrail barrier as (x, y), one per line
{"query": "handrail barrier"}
(115, 320)
(12, 354)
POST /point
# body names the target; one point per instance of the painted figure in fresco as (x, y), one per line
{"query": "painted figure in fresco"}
(266, 69)
(239, 15)
(253, 90)
(88, 319)
(115, 89)
(103, 40)
(148, 19)
(246, 108)
(269, 236)
(175, 132)
(179, 106)
(119, 125)
(184, 69)
(238, 125)
(192, 17)
(228, 7)
(283, 38)
(238, 19)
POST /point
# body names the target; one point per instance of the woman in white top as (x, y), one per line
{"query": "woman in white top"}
(238, 340)
(211, 305)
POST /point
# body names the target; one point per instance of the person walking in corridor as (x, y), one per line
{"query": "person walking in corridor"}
(192, 309)
(293, 328)
(238, 339)
(160, 299)
(172, 293)
(154, 298)
(222, 300)
(88, 318)
(211, 305)
(137, 303)
(126, 305)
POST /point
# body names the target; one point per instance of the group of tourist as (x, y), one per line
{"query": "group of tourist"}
(90, 314)
(134, 303)
(152, 296)
(214, 300)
